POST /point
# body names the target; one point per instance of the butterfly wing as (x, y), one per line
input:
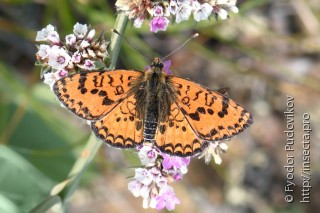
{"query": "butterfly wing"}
(211, 115)
(122, 127)
(175, 136)
(92, 95)
(197, 116)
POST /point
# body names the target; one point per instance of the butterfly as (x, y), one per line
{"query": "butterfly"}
(127, 108)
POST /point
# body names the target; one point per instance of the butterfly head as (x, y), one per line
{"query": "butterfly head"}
(157, 65)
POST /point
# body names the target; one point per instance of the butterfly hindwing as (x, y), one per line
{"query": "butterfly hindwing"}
(92, 95)
(175, 136)
(121, 127)
(211, 115)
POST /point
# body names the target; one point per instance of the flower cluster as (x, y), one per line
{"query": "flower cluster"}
(79, 51)
(158, 169)
(151, 181)
(160, 12)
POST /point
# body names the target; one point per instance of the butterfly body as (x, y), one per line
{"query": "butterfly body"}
(127, 108)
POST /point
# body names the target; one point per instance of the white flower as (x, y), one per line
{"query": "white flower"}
(183, 12)
(58, 58)
(80, 30)
(71, 39)
(214, 149)
(44, 33)
(222, 7)
(221, 12)
(54, 37)
(144, 176)
(148, 155)
(201, 11)
(135, 187)
(44, 50)
(49, 78)
(173, 7)
(186, 2)
(138, 22)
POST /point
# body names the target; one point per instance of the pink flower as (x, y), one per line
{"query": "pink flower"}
(88, 65)
(158, 11)
(170, 162)
(166, 67)
(167, 199)
(159, 24)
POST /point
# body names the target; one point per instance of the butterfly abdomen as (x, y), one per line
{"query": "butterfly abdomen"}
(151, 113)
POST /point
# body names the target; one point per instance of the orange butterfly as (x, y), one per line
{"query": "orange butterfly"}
(129, 107)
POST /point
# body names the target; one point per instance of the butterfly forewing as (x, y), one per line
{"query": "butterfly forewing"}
(212, 116)
(92, 95)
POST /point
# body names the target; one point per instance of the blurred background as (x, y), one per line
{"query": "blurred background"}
(266, 52)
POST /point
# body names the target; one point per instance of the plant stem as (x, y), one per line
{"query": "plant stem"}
(116, 40)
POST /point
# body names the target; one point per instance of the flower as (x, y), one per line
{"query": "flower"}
(157, 11)
(138, 22)
(134, 8)
(214, 149)
(50, 78)
(159, 24)
(173, 7)
(183, 12)
(80, 51)
(139, 10)
(43, 51)
(148, 155)
(71, 39)
(222, 7)
(76, 57)
(175, 162)
(167, 199)
(166, 67)
(87, 65)
(80, 30)
(58, 58)
(44, 33)
(202, 11)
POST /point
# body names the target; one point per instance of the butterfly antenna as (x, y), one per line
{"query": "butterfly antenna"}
(182, 45)
(130, 44)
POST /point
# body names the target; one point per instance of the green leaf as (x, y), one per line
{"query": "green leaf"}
(21, 183)
(46, 204)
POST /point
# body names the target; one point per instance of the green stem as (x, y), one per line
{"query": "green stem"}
(116, 39)
(66, 188)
